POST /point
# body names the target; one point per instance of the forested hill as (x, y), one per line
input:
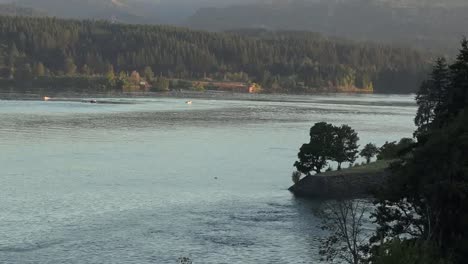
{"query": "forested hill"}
(431, 24)
(282, 61)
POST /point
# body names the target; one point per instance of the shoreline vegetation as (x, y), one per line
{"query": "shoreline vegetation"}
(418, 201)
(339, 144)
(99, 56)
(373, 167)
(359, 181)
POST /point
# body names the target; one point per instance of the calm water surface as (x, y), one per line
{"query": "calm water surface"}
(135, 183)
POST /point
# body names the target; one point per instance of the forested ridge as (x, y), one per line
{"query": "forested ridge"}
(32, 48)
(432, 25)
(14, 10)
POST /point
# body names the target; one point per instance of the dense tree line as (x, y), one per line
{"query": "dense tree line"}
(284, 61)
(422, 213)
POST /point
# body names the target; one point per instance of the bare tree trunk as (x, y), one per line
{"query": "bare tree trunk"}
(344, 219)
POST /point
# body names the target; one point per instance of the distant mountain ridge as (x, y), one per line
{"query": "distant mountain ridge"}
(15, 10)
(425, 24)
(125, 11)
(429, 24)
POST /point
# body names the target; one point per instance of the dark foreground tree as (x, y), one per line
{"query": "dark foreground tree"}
(369, 151)
(398, 251)
(426, 198)
(432, 98)
(394, 150)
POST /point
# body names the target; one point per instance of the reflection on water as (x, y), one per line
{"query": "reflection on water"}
(150, 180)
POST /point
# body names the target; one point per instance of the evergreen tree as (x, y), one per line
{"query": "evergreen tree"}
(432, 97)
(39, 70)
(148, 74)
(425, 198)
(85, 70)
(69, 67)
(23, 72)
(458, 96)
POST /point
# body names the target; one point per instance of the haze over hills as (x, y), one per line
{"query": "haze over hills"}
(426, 24)
(15, 10)
(421, 23)
(127, 11)
(118, 10)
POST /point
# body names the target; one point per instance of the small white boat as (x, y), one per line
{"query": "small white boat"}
(189, 102)
(46, 98)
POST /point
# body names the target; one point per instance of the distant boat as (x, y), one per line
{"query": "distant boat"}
(46, 98)
(189, 102)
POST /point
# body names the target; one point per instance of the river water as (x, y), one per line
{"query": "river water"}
(151, 180)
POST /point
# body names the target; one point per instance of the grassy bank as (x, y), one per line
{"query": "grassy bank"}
(372, 167)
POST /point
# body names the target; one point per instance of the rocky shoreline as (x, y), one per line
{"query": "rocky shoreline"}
(345, 185)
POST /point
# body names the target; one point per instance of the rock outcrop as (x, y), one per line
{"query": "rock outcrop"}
(346, 185)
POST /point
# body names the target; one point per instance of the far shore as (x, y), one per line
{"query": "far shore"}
(182, 94)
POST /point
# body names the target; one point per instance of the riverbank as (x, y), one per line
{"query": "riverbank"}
(356, 182)
(377, 99)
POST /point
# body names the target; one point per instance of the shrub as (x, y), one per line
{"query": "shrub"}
(296, 177)
(408, 252)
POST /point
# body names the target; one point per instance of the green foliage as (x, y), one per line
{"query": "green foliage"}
(296, 176)
(283, 62)
(327, 142)
(344, 146)
(23, 72)
(432, 96)
(122, 81)
(408, 252)
(199, 87)
(457, 97)
(69, 67)
(110, 75)
(314, 155)
(181, 84)
(148, 74)
(394, 150)
(39, 70)
(426, 197)
(85, 70)
(161, 84)
(85, 84)
(369, 151)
